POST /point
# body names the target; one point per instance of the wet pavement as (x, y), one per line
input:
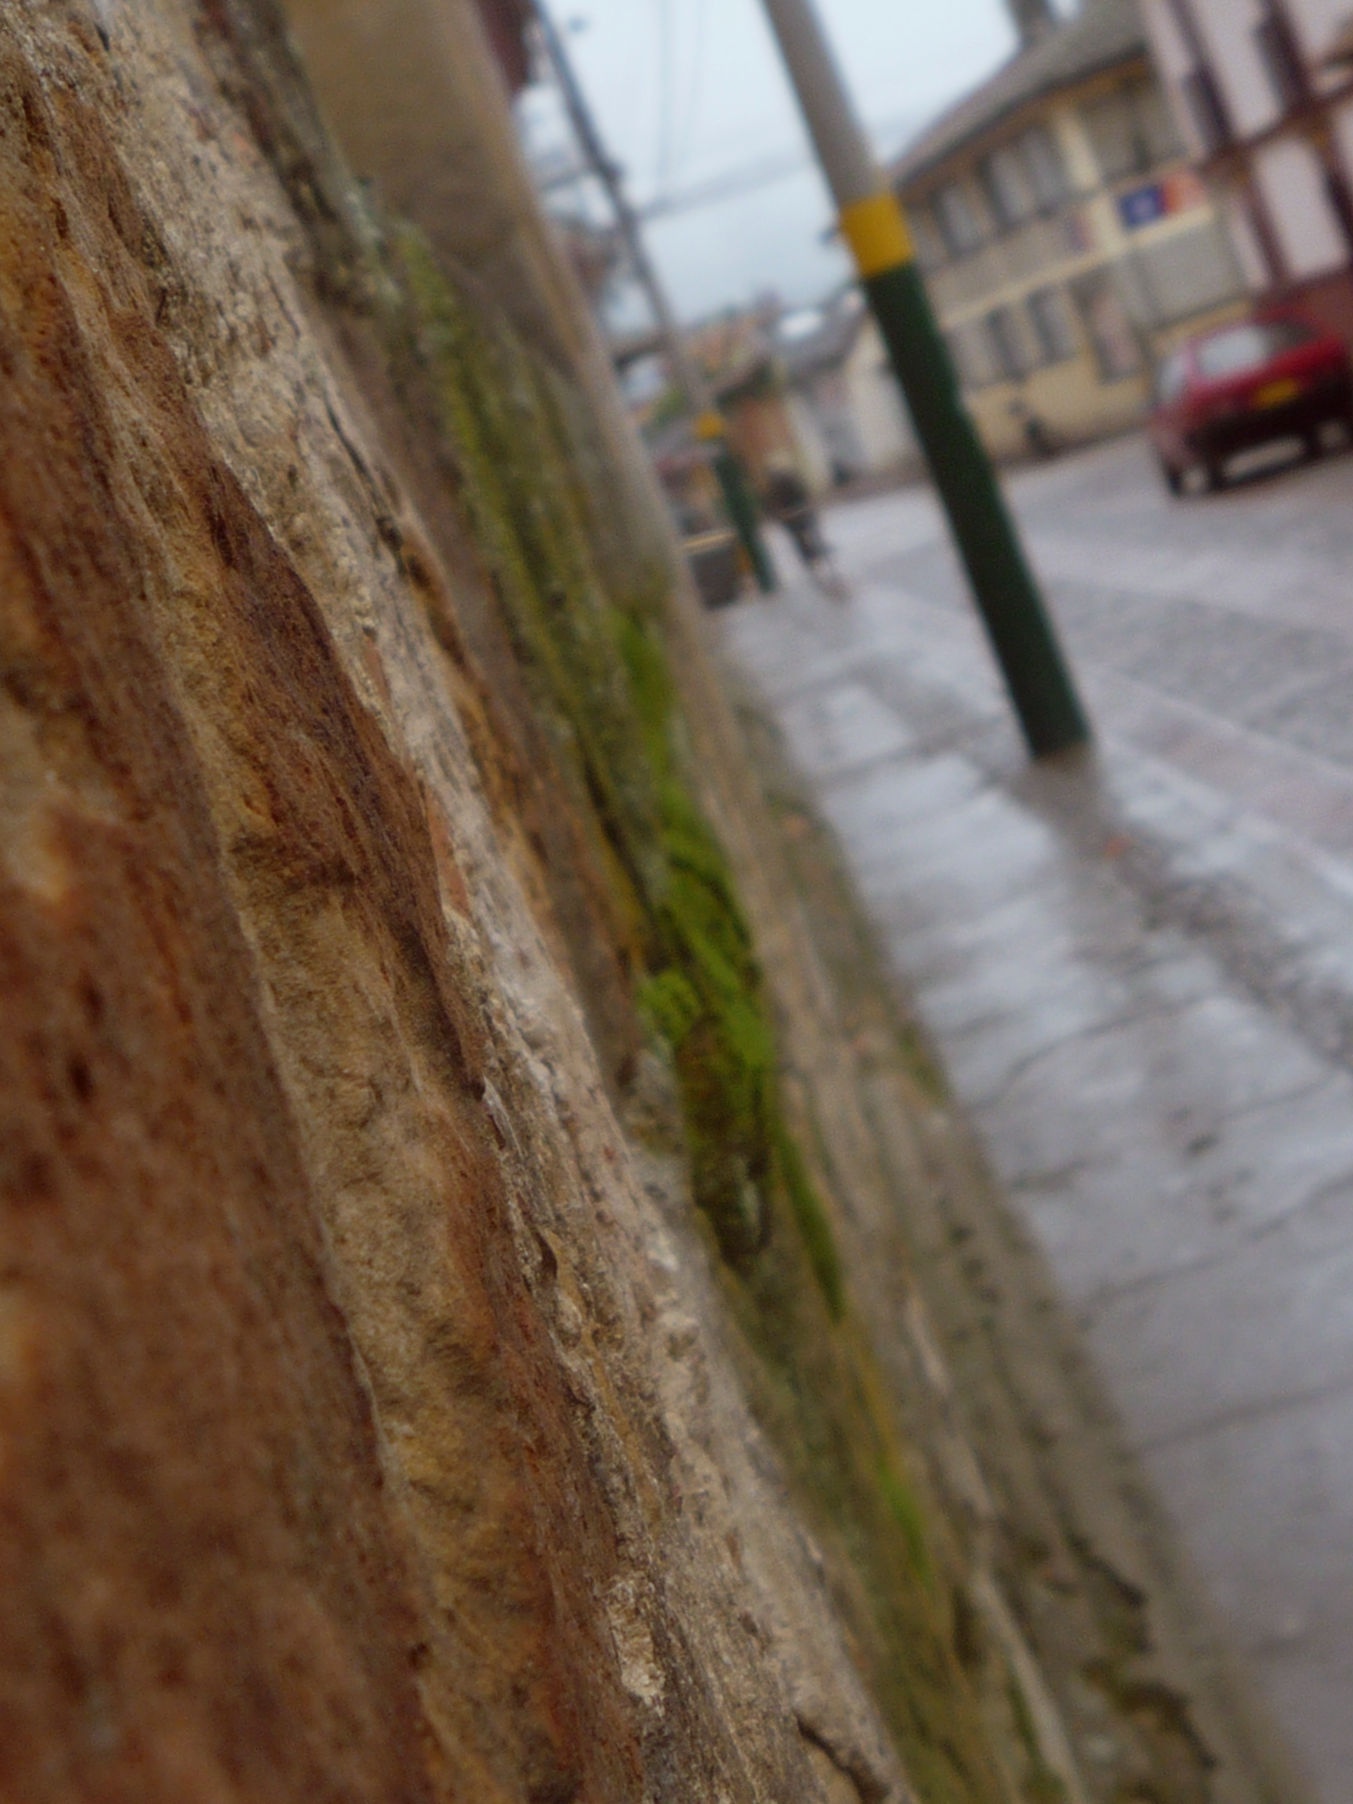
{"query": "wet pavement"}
(1138, 966)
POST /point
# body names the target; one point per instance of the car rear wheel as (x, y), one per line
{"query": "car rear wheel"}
(1214, 476)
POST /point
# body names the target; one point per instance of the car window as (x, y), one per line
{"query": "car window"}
(1243, 348)
(1171, 378)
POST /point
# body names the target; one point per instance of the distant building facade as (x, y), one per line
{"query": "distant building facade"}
(766, 426)
(1066, 240)
(1263, 91)
(843, 395)
(811, 388)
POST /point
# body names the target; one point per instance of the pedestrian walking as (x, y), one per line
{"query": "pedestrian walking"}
(789, 502)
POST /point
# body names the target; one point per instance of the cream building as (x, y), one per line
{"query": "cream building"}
(1066, 240)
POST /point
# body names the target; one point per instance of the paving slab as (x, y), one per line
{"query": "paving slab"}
(1137, 964)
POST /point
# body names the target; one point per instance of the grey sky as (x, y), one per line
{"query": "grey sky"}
(724, 103)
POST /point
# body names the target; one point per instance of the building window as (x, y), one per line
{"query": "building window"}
(1282, 61)
(930, 246)
(1053, 325)
(958, 221)
(974, 354)
(1207, 109)
(1024, 178)
(1131, 131)
(1007, 340)
(1008, 192)
(1106, 320)
(1047, 171)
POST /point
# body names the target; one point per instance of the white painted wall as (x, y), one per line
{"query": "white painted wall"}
(1317, 21)
(1249, 251)
(1292, 184)
(1172, 53)
(1227, 28)
(1174, 60)
(884, 429)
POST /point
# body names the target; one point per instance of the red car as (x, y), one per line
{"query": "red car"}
(1247, 385)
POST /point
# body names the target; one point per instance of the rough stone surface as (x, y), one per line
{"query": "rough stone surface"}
(337, 1330)
(378, 1417)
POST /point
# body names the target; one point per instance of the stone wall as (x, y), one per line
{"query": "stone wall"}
(445, 1264)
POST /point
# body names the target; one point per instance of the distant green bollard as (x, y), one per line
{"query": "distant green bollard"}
(744, 516)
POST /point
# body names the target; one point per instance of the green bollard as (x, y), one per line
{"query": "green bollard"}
(739, 501)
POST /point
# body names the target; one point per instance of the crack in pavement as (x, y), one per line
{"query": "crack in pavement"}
(1256, 1410)
(1104, 1295)
(1091, 1031)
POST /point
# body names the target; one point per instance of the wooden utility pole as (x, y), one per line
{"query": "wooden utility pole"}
(710, 426)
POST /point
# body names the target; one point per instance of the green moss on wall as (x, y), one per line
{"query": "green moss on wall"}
(818, 1240)
(595, 653)
(1041, 1784)
(816, 1389)
(600, 668)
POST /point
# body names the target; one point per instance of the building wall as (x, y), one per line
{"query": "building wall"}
(1173, 60)
(1289, 179)
(887, 441)
(1060, 315)
(1276, 177)
(825, 398)
(1239, 225)
(1317, 21)
(1227, 28)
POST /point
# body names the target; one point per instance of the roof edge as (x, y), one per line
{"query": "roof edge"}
(1030, 76)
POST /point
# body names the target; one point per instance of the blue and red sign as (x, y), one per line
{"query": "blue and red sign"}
(1154, 201)
(1142, 206)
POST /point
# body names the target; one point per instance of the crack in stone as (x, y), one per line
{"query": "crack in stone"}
(869, 1787)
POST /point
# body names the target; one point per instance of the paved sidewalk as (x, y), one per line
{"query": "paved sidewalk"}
(1138, 965)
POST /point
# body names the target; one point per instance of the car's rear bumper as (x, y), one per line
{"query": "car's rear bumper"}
(1331, 399)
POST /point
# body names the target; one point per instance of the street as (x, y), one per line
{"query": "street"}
(1138, 967)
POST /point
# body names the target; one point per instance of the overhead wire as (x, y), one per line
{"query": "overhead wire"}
(694, 94)
(666, 92)
(757, 172)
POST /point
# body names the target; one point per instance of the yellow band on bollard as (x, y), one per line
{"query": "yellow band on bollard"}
(709, 426)
(877, 233)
